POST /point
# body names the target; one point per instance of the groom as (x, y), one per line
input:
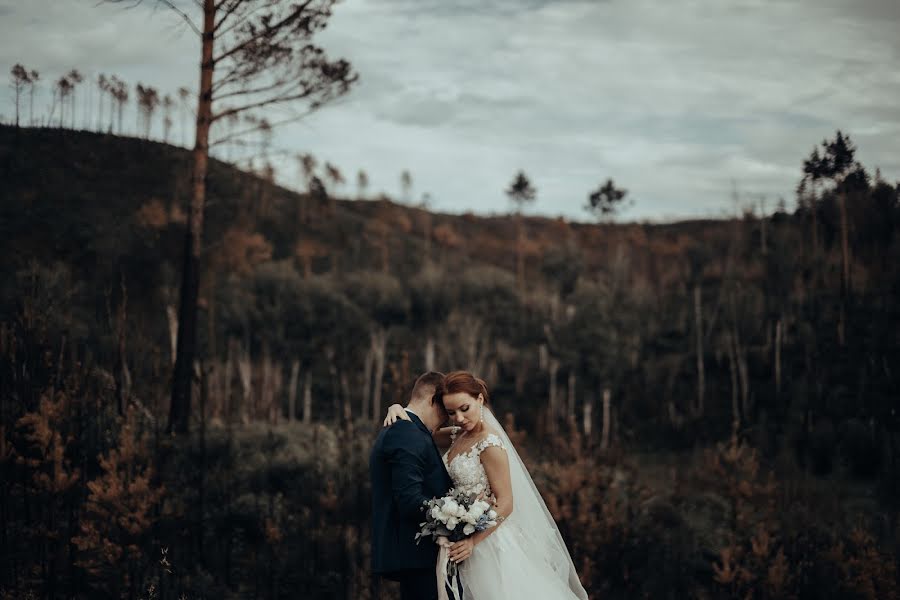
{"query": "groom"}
(406, 469)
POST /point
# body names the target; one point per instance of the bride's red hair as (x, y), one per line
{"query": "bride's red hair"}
(461, 381)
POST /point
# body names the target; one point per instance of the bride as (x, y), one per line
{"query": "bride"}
(524, 556)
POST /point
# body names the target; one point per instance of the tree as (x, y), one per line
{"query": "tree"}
(62, 91)
(334, 174)
(19, 81)
(606, 201)
(103, 85)
(118, 90)
(521, 193)
(167, 104)
(183, 95)
(308, 164)
(362, 183)
(33, 78)
(254, 54)
(837, 164)
(75, 78)
(406, 184)
(148, 101)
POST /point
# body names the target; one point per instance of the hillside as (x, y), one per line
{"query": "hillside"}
(95, 186)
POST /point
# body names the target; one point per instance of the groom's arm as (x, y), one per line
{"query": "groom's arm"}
(405, 452)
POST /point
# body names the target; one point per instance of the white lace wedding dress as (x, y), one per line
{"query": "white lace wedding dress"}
(525, 557)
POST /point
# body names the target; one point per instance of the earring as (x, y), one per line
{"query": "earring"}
(482, 413)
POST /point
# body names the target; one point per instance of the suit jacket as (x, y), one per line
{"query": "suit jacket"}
(406, 469)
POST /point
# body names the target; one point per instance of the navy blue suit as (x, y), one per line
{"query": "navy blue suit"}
(406, 469)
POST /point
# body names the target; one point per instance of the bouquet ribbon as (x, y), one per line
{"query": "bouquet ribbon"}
(449, 582)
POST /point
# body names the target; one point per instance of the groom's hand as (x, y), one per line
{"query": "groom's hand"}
(462, 550)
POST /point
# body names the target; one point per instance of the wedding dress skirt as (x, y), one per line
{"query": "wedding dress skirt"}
(501, 568)
(525, 558)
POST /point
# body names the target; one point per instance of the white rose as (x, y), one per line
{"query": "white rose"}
(435, 513)
(452, 522)
(492, 514)
(449, 508)
(460, 511)
(469, 529)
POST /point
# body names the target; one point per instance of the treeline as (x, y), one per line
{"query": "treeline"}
(107, 103)
(318, 309)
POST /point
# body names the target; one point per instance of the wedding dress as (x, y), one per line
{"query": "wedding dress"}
(526, 556)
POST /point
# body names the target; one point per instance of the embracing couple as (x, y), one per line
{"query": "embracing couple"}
(445, 438)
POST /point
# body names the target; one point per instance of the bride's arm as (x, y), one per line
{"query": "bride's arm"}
(496, 467)
(395, 412)
(442, 436)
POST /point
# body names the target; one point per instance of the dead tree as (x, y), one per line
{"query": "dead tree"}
(254, 54)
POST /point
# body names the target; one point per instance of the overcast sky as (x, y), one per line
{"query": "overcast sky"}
(673, 99)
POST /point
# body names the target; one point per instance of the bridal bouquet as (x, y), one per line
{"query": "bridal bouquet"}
(452, 518)
(456, 516)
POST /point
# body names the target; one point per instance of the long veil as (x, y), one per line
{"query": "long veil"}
(532, 518)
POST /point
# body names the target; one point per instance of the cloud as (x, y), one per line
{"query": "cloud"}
(674, 100)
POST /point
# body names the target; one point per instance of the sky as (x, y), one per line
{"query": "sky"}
(681, 102)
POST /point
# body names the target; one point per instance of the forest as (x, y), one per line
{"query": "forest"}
(709, 407)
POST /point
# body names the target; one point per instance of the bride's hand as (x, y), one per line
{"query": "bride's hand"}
(462, 550)
(395, 412)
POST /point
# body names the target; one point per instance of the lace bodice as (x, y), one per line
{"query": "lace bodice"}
(467, 471)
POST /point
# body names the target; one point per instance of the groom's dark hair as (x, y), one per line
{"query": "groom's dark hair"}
(427, 384)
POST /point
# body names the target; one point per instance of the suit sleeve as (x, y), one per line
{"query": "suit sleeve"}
(405, 452)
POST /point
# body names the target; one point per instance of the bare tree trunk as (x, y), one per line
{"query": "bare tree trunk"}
(741, 357)
(335, 393)
(180, 410)
(553, 415)
(275, 386)
(245, 372)
(520, 253)
(307, 397)
(429, 353)
(366, 387)
(292, 390)
(345, 397)
(172, 316)
(845, 242)
(379, 346)
(226, 387)
(845, 272)
(570, 409)
(701, 372)
(779, 336)
(604, 440)
(214, 383)
(588, 418)
(123, 377)
(732, 363)
(265, 396)
(427, 235)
